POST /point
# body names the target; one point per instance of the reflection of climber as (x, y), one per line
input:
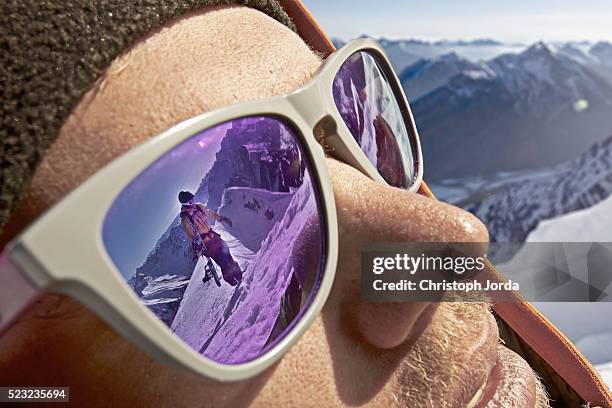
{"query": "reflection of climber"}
(197, 215)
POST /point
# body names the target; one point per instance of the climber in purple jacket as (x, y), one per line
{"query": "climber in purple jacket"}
(194, 218)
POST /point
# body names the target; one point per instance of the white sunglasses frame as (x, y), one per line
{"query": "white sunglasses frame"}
(58, 250)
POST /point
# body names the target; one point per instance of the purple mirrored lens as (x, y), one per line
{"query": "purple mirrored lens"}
(221, 237)
(368, 106)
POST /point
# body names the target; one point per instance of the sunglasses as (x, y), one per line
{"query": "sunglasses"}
(225, 286)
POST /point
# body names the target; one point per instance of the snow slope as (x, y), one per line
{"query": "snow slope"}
(587, 324)
(518, 207)
(232, 324)
(161, 280)
(252, 212)
(593, 224)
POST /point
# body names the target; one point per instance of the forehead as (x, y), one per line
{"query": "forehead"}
(201, 62)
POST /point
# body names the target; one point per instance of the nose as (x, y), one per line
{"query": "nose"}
(370, 212)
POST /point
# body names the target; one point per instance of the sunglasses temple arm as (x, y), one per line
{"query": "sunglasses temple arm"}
(16, 292)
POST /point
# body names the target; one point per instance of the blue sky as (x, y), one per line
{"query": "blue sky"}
(514, 21)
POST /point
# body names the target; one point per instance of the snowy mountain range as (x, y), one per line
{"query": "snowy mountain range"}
(512, 210)
(507, 137)
(506, 128)
(404, 52)
(505, 107)
(539, 107)
(602, 51)
(426, 75)
(251, 155)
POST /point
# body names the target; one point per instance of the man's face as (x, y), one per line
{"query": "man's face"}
(410, 354)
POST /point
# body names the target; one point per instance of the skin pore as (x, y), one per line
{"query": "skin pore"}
(411, 354)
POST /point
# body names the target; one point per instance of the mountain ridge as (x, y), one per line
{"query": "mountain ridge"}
(535, 103)
(514, 212)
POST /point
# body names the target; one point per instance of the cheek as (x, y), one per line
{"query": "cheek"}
(60, 343)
